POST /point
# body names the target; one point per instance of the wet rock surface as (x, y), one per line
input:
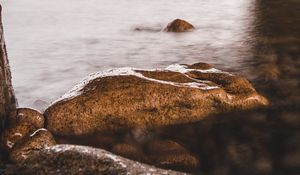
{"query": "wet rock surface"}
(179, 25)
(126, 97)
(38, 140)
(70, 159)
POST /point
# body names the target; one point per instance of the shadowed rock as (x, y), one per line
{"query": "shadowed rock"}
(7, 97)
(70, 159)
(179, 25)
(126, 97)
(171, 155)
(129, 151)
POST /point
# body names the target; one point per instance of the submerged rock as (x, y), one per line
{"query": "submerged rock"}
(129, 98)
(40, 139)
(71, 159)
(179, 25)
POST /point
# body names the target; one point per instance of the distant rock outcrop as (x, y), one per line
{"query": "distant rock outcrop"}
(128, 98)
(7, 97)
(179, 25)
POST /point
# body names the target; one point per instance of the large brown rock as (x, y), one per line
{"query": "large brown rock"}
(129, 98)
(7, 97)
(179, 25)
(71, 159)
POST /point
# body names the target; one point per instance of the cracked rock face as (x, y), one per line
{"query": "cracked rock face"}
(71, 159)
(128, 98)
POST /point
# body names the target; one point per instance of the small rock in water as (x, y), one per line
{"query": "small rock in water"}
(30, 116)
(40, 139)
(179, 25)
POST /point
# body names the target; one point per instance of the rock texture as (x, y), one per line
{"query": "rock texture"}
(129, 151)
(7, 97)
(15, 134)
(70, 159)
(171, 155)
(128, 98)
(30, 116)
(179, 25)
(38, 140)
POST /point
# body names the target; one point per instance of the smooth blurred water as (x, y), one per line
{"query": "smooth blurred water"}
(54, 44)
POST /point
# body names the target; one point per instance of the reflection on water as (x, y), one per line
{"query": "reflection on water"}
(260, 39)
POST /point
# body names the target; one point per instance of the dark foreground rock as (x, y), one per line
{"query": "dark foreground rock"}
(179, 25)
(7, 97)
(128, 98)
(70, 159)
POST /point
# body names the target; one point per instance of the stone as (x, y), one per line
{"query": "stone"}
(16, 133)
(171, 155)
(179, 25)
(38, 140)
(8, 101)
(180, 162)
(163, 147)
(30, 116)
(132, 98)
(129, 151)
(71, 159)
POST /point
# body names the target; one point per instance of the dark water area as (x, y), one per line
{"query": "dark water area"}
(258, 39)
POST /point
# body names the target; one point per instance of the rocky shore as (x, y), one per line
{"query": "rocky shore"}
(181, 119)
